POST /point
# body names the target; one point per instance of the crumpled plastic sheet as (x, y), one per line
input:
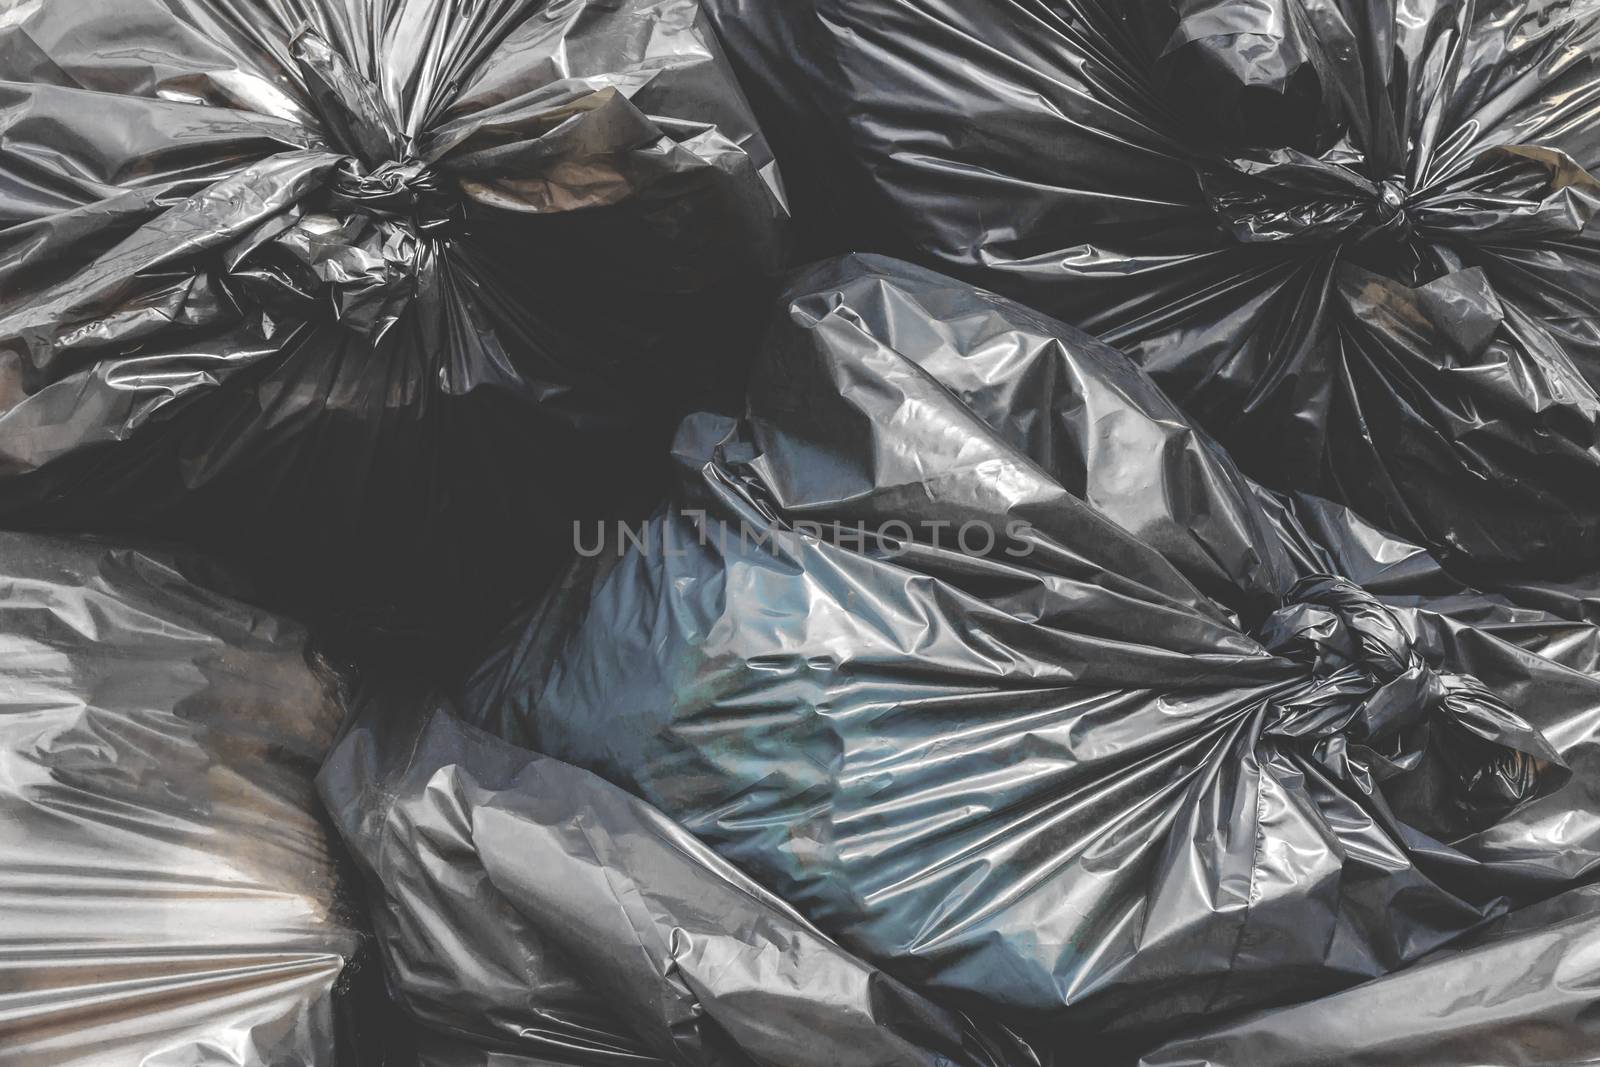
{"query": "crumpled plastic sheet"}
(1352, 238)
(168, 895)
(1074, 738)
(1324, 536)
(1472, 1004)
(372, 294)
(531, 914)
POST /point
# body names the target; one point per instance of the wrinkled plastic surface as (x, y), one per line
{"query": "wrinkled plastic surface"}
(1352, 238)
(373, 294)
(530, 913)
(168, 895)
(1130, 765)
(1519, 993)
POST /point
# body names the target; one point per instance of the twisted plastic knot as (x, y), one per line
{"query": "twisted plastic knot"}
(357, 249)
(1288, 196)
(1371, 683)
(1456, 757)
(1389, 209)
(402, 190)
(360, 245)
(1339, 624)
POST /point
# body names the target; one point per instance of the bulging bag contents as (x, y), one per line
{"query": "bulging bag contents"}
(375, 296)
(962, 641)
(1352, 240)
(528, 912)
(168, 894)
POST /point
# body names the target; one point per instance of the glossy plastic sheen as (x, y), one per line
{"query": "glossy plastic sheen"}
(373, 295)
(1519, 993)
(1131, 759)
(1352, 238)
(168, 897)
(529, 913)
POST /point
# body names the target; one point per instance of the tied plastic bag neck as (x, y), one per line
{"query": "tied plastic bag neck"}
(373, 297)
(1384, 223)
(1435, 748)
(362, 246)
(1044, 776)
(1353, 240)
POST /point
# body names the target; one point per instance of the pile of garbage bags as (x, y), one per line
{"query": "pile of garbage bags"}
(370, 296)
(1349, 237)
(1097, 562)
(1075, 758)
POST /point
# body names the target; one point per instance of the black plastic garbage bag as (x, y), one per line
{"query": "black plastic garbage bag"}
(168, 895)
(1326, 537)
(530, 913)
(1351, 238)
(1520, 993)
(963, 642)
(373, 294)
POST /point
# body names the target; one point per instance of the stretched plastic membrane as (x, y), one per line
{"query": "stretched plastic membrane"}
(530, 913)
(168, 895)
